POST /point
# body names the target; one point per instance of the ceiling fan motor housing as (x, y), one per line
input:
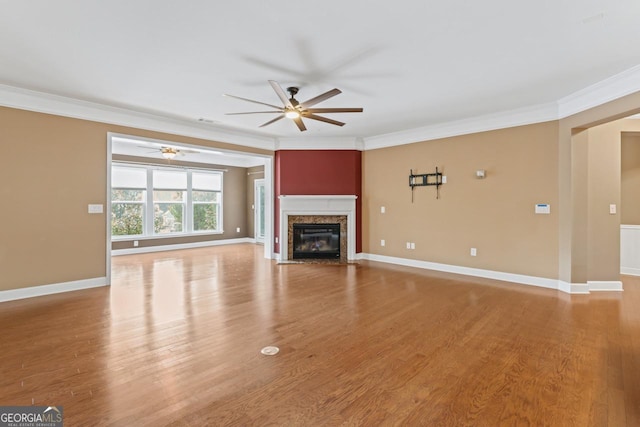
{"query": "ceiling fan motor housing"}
(293, 91)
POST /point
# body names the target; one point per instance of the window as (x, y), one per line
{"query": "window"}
(151, 201)
(128, 197)
(206, 191)
(169, 200)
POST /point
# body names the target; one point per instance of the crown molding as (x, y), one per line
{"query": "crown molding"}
(609, 89)
(612, 88)
(320, 143)
(25, 99)
(505, 119)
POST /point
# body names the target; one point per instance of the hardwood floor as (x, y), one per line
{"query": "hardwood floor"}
(176, 340)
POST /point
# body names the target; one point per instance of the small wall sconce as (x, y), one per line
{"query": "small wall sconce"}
(480, 174)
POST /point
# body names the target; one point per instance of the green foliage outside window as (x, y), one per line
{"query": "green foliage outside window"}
(127, 218)
(205, 217)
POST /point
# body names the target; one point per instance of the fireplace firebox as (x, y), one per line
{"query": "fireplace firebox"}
(316, 241)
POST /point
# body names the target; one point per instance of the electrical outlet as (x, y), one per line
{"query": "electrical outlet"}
(135, 243)
(276, 240)
(408, 245)
(474, 252)
(382, 209)
(238, 230)
(612, 209)
(382, 242)
(413, 245)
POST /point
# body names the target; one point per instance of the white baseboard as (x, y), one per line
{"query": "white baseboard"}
(56, 288)
(571, 288)
(148, 249)
(630, 271)
(611, 285)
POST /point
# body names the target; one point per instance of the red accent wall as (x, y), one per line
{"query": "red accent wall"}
(318, 172)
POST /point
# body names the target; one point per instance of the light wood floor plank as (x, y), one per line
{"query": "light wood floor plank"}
(176, 341)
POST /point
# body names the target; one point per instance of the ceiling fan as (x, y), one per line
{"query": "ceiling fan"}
(295, 110)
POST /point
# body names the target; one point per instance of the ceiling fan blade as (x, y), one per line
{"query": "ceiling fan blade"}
(281, 116)
(281, 94)
(252, 112)
(298, 122)
(251, 100)
(320, 98)
(334, 110)
(322, 119)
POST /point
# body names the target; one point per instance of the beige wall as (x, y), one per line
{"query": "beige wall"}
(579, 196)
(494, 215)
(53, 167)
(630, 180)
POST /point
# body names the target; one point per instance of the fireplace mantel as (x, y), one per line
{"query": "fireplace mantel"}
(318, 205)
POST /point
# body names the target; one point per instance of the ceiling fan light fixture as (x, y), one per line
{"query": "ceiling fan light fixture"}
(292, 114)
(169, 153)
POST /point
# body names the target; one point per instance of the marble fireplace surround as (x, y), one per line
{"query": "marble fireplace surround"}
(331, 205)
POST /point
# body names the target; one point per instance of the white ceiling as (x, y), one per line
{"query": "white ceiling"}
(408, 63)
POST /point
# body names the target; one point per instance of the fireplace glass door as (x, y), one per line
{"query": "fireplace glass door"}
(316, 241)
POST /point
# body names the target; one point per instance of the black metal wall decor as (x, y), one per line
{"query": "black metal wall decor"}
(425, 179)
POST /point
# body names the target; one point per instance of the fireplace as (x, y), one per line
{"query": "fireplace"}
(321, 210)
(316, 241)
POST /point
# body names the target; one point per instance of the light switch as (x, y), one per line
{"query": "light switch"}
(543, 208)
(612, 209)
(382, 209)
